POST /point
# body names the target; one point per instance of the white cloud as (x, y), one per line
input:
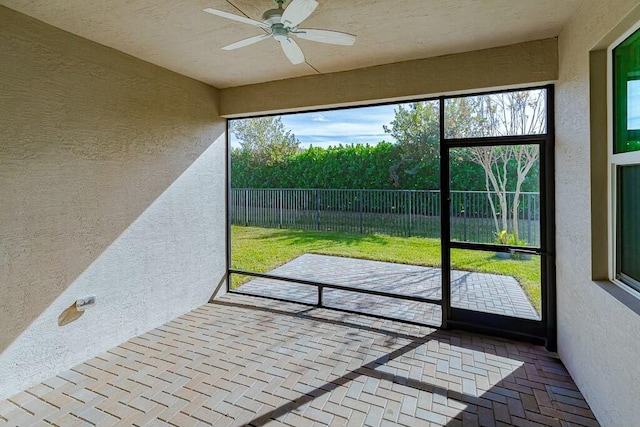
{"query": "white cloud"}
(362, 125)
(349, 126)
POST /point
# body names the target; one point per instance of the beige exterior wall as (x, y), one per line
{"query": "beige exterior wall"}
(531, 62)
(111, 184)
(598, 323)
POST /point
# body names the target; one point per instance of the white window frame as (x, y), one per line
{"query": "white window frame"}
(615, 160)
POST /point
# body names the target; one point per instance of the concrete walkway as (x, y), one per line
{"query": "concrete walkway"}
(490, 293)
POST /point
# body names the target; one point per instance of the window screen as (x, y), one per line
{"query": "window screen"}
(629, 225)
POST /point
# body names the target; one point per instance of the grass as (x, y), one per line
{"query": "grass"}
(393, 224)
(263, 249)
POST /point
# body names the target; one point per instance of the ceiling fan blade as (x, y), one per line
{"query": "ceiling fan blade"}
(297, 11)
(326, 36)
(293, 51)
(234, 17)
(246, 42)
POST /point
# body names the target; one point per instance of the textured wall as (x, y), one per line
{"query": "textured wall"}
(530, 62)
(598, 323)
(177, 35)
(111, 184)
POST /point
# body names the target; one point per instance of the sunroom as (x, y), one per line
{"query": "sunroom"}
(118, 304)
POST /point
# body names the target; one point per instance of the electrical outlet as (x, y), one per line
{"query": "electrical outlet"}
(86, 302)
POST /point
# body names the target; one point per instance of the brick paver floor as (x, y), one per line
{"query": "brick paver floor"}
(490, 293)
(251, 361)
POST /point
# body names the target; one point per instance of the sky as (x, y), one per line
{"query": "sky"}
(330, 128)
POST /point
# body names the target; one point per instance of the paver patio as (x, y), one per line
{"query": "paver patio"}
(250, 361)
(491, 293)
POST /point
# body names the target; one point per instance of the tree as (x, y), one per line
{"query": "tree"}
(265, 139)
(505, 168)
(504, 114)
(416, 130)
(495, 162)
(353, 166)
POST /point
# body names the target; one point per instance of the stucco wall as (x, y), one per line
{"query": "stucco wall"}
(111, 184)
(522, 63)
(598, 324)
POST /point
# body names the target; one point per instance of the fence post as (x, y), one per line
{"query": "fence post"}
(409, 207)
(280, 198)
(464, 216)
(361, 213)
(246, 208)
(529, 219)
(318, 209)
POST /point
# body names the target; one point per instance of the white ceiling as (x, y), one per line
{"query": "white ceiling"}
(177, 35)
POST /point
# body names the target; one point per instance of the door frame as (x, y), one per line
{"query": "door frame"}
(542, 331)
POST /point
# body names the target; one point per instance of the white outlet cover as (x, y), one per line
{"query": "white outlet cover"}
(86, 302)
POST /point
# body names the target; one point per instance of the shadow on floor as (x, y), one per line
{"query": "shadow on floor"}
(540, 390)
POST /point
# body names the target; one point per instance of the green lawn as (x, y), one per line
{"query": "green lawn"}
(393, 224)
(263, 249)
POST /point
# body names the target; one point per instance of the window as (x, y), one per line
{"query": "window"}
(625, 160)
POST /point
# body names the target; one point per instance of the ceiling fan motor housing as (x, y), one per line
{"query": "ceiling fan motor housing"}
(279, 32)
(272, 16)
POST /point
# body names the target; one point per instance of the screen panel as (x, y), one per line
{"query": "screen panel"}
(513, 113)
(629, 225)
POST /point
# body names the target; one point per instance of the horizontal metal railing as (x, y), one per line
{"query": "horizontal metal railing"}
(392, 212)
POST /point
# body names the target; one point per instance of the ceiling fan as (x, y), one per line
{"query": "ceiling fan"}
(280, 23)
